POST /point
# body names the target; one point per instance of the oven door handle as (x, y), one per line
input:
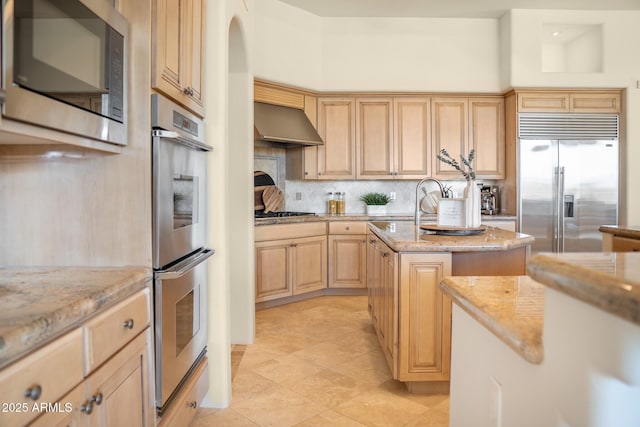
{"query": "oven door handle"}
(184, 267)
(196, 145)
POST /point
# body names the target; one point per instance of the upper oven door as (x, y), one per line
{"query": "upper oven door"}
(179, 198)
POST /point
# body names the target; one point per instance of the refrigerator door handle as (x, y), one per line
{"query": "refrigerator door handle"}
(560, 208)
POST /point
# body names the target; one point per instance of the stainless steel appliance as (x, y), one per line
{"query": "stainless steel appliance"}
(179, 238)
(490, 200)
(64, 66)
(568, 179)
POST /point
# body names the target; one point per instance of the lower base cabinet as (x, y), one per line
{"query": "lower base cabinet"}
(409, 312)
(186, 404)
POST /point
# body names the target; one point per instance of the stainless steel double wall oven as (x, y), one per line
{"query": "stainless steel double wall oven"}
(179, 240)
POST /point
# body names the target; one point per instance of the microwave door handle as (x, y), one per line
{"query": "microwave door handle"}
(168, 134)
(180, 269)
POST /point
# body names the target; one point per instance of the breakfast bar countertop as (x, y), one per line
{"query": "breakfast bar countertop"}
(364, 217)
(38, 304)
(609, 281)
(511, 307)
(629, 231)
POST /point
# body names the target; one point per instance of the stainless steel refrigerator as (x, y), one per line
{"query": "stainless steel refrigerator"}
(567, 179)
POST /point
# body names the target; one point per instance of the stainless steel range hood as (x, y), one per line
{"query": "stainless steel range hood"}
(286, 126)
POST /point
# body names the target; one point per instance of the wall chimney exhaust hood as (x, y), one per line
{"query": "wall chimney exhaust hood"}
(289, 127)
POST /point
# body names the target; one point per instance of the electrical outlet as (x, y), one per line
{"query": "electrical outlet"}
(298, 195)
(392, 195)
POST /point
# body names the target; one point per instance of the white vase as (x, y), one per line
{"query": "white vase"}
(376, 210)
(473, 208)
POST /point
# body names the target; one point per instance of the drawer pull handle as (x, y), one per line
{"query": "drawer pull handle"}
(97, 398)
(372, 241)
(87, 407)
(34, 392)
(128, 324)
(193, 404)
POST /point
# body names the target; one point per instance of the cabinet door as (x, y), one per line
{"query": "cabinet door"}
(347, 261)
(412, 138)
(195, 54)
(272, 270)
(486, 136)
(389, 309)
(68, 412)
(372, 275)
(607, 102)
(424, 349)
(119, 390)
(543, 102)
(308, 264)
(624, 244)
(336, 126)
(449, 127)
(374, 138)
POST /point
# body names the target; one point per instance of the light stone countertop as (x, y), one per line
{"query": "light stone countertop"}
(364, 217)
(629, 231)
(405, 236)
(609, 281)
(511, 307)
(38, 304)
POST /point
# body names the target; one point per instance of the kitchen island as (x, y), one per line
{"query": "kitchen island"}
(572, 334)
(411, 315)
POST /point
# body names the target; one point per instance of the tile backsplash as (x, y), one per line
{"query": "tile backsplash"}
(311, 196)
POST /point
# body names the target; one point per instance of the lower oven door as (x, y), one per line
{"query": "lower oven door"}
(180, 322)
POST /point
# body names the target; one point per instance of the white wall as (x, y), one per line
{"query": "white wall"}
(621, 35)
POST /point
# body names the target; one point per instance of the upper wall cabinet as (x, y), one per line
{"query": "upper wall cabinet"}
(336, 126)
(569, 102)
(392, 138)
(462, 124)
(177, 39)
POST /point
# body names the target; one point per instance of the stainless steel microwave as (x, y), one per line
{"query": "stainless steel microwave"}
(64, 66)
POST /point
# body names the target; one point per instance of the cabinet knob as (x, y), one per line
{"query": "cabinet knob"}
(634, 250)
(306, 173)
(193, 404)
(97, 398)
(385, 254)
(188, 91)
(34, 392)
(372, 241)
(87, 407)
(128, 324)
(347, 228)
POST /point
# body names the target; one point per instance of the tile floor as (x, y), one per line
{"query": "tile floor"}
(318, 363)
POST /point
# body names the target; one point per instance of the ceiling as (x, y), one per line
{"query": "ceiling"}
(448, 8)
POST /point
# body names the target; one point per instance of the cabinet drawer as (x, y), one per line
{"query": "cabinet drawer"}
(186, 404)
(53, 371)
(110, 331)
(290, 231)
(623, 244)
(347, 227)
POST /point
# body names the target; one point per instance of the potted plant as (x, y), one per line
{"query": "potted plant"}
(376, 203)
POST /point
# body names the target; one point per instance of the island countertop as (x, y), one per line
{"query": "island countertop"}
(609, 280)
(38, 304)
(511, 307)
(405, 236)
(628, 231)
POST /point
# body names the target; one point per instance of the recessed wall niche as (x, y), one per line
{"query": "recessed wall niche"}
(571, 48)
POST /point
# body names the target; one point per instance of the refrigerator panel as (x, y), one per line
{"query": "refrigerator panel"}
(590, 193)
(538, 164)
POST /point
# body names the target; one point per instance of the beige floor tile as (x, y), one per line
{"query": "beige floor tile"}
(221, 417)
(279, 408)
(329, 354)
(328, 388)
(378, 408)
(287, 369)
(430, 418)
(329, 419)
(371, 368)
(248, 384)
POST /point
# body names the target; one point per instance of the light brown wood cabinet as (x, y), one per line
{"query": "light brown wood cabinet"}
(347, 254)
(460, 125)
(114, 391)
(545, 101)
(336, 126)
(393, 138)
(625, 244)
(187, 402)
(292, 266)
(177, 51)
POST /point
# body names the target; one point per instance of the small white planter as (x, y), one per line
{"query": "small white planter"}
(376, 210)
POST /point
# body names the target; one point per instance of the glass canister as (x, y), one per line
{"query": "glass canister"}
(340, 203)
(332, 204)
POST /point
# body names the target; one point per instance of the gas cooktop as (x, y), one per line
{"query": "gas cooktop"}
(262, 214)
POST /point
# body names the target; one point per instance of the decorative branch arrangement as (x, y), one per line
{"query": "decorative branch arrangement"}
(468, 174)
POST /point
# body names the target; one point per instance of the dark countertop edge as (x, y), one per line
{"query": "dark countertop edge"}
(531, 351)
(361, 217)
(55, 325)
(600, 290)
(632, 232)
(426, 247)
